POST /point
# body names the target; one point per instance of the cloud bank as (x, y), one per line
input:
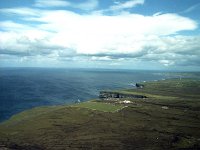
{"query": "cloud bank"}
(63, 36)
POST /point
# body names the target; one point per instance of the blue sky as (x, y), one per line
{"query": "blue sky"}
(128, 34)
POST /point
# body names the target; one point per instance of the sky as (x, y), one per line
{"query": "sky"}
(118, 34)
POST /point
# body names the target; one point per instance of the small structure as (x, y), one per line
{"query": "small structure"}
(77, 101)
(125, 102)
(165, 107)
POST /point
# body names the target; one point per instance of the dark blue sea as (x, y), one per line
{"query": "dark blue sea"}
(24, 88)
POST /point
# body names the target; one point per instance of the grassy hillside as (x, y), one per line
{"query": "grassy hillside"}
(104, 107)
(168, 119)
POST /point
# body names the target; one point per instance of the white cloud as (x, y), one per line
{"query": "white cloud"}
(104, 58)
(51, 3)
(24, 11)
(126, 5)
(10, 25)
(62, 34)
(166, 62)
(87, 5)
(94, 34)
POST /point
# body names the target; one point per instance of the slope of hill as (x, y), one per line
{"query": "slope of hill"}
(168, 118)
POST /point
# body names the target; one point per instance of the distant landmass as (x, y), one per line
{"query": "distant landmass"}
(162, 114)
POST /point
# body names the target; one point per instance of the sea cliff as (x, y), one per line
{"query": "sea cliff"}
(110, 94)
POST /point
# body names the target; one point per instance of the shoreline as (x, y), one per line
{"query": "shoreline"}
(112, 91)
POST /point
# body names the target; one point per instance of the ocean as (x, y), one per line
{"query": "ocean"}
(25, 88)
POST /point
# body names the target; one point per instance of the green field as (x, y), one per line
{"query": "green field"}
(169, 118)
(105, 107)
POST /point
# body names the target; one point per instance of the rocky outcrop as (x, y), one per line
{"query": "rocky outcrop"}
(138, 85)
(106, 94)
